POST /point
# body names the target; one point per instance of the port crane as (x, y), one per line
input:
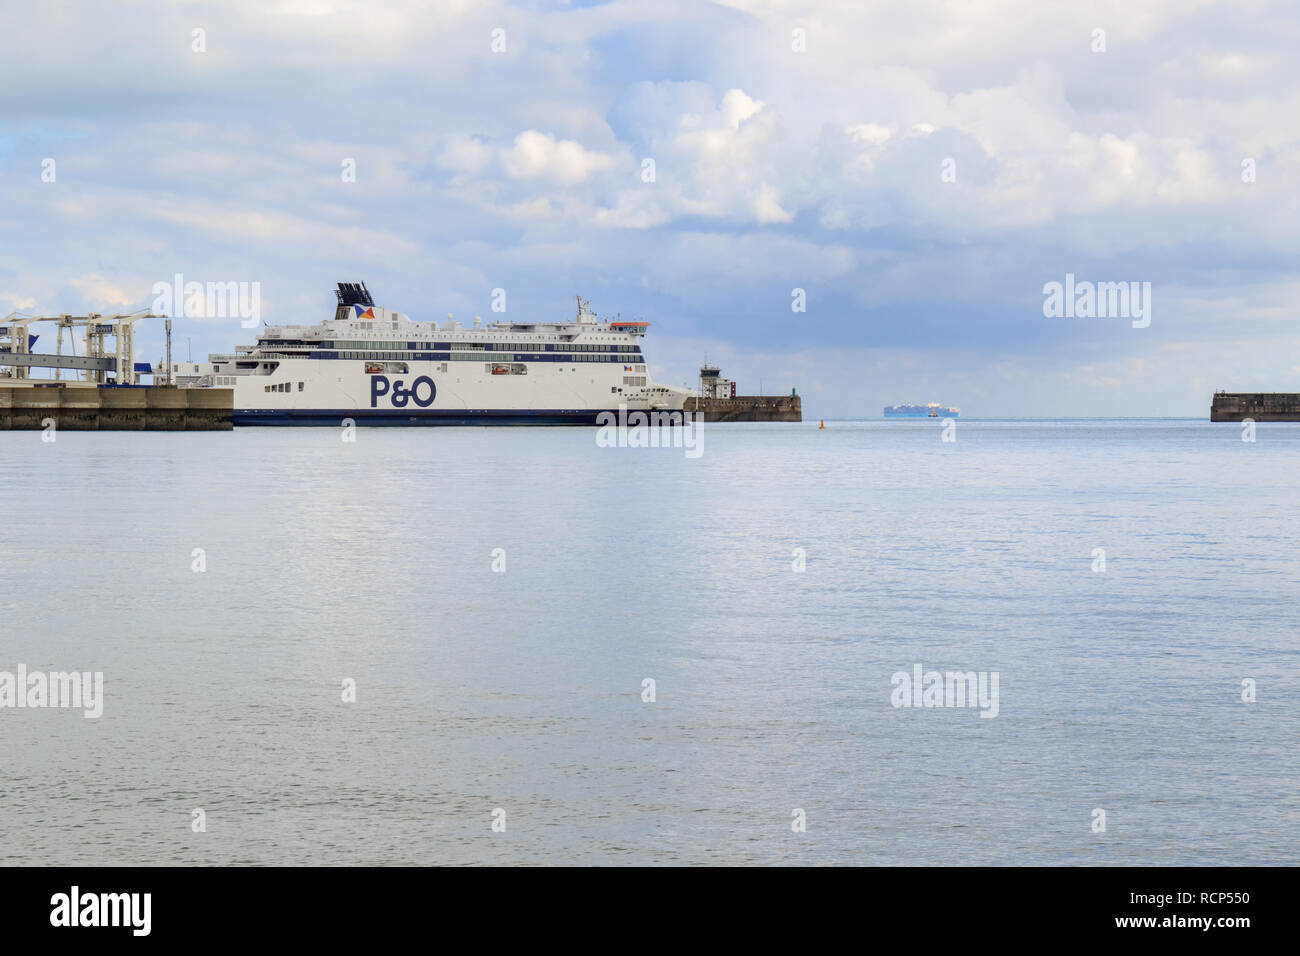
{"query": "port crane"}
(110, 346)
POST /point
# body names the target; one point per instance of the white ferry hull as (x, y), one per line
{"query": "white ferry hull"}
(375, 366)
(316, 392)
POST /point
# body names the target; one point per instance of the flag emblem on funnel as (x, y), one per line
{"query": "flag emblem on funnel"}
(364, 313)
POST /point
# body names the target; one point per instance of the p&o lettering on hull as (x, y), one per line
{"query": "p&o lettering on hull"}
(421, 392)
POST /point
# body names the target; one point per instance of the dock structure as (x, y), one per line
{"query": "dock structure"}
(105, 393)
(1257, 406)
(79, 406)
(718, 402)
(110, 347)
(748, 408)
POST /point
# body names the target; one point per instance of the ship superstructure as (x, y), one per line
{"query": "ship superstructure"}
(377, 366)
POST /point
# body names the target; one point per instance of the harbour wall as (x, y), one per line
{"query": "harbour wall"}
(78, 407)
(1259, 406)
(749, 408)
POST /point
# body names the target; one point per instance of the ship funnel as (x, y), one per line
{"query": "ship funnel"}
(354, 293)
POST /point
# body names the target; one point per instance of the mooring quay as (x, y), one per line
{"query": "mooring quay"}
(718, 402)
(1258, 406)
(119, 404)
(77, 406)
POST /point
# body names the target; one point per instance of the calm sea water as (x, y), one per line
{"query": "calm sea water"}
(522, 690)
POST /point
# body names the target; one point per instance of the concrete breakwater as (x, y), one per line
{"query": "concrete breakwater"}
(749, 408)
(1259, 406)
(79, 407)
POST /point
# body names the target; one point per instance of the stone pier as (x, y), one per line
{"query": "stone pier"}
(749, 408)
(75, 406)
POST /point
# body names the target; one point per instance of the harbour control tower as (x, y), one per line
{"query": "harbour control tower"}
(718, 402)
(713, 385)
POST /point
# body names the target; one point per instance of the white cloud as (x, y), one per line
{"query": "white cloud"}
(767, 205)
(736, 107)
(18, 301)
(99, 291)
(465, 154)
(540, 155)
(822, 166)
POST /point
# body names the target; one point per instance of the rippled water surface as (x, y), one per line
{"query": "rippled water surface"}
(522, 690)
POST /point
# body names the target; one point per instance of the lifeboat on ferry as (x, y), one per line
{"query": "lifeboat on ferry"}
(374, 368)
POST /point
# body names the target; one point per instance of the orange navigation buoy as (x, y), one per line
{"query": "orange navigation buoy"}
(823, 424)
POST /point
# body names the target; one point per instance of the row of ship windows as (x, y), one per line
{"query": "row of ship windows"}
(453, 346)
(460, 356)
(490, 368)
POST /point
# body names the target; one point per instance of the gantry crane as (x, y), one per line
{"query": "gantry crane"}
(103, 357)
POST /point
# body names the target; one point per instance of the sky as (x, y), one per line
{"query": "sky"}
(921, 171)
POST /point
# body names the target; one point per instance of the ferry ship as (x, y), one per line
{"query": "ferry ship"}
(378, 367)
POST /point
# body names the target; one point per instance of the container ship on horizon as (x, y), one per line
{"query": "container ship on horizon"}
(932, 410)
(378, 367)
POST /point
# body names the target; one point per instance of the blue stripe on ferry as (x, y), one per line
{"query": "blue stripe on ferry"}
(634, 358)
(423, 416)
